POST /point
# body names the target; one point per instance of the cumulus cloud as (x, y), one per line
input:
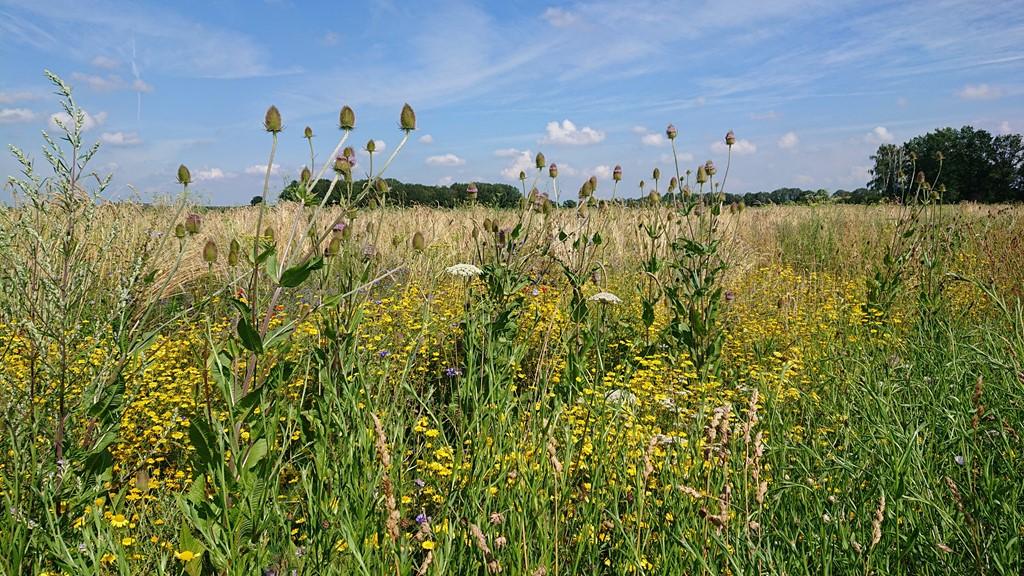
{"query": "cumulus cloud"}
(97, 82)
(140, 85)
(559, 17)
(120, 138)
(261, 169)
(603, 171)
(16, 115)
(89, 121)
(979, 92)
(213, 174)
(740, 148)
(880, 135)
(18, 96)
(105, 62)
(523, 161)
(426, 139)
(789, 140)
(445, 160)
(654, 139)
(568, 133)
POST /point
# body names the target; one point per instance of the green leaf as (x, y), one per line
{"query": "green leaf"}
(249, 336)
(297, 274)
(256, 453)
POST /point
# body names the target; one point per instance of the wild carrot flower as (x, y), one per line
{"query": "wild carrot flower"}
(605, 298)
(463, 270)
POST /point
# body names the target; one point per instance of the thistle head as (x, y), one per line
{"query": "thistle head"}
(541, 161)
(617, 173)
(371, 146)
(339, 230)
(671, 132)
(522, 175)
(471, 192)
(272, 120)
(407, 120)
(702, 175)
(709, 167)
(553, 170)
(343, 166)
(347, 118)
(730, 138)
(210, 252)
(673, 183)
(418, 242)
(184, 176)
(307, 133)
(656, 174)
(192, 222)
(305, 175)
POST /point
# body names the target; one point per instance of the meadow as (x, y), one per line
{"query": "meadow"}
(682, 387)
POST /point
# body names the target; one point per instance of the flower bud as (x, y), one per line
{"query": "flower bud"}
(371, 146)
(272, 121)
(487, 224)
(593, 184)
(333, 247)
(547, 207)
(343, 166)
(307, 133)
(347, 118)
(382, 186)
(541, 162)
(338, 230)
(407, 120)
(233, 250)
(730, 138)
(418, 243)
(522, 175)
(192, 222)
(617, 173)
(642, 184)
(210, 252)
(671, 132)
(654, 198)
(553, 170)
(305, 175)
(656, 174)
(184, 176)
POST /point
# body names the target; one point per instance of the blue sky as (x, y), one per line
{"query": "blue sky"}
(811, 88)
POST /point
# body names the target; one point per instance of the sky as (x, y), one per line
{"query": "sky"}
(810, 88)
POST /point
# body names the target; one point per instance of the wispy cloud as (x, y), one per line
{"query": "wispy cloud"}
(980, 92)
(559, 17)
(788, 140)
(106, 62)
(120, 138)
(261, 169)
(14, 97)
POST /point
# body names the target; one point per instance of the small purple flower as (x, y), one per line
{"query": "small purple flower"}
(421, 518)
(452, 372)
(959, 459)
(535, 292)
(730, 295)
(419, 483)
(384, 353)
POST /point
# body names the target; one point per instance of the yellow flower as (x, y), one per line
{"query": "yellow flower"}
(127, 541)
(185, 555)
(428, 545)
(118, 521)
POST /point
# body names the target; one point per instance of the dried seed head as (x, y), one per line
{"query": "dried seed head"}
(307, 133)
(671, 132)
(184, 176)
(371, 146)
(617, 173)
(730, 138)
(233, 250)
(192, 222)
(418, 242)
(553, 170)
(210, 252)
(407, 120)
(347, 118)
(541, 162)
(272, 121)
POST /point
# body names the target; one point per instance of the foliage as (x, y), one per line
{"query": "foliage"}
(409, 194)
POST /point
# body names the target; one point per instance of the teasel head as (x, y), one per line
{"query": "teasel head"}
(686, 191)
(593, 184)
(547, 206)
(307, 133)
(709, 167)
(339, 230)
(654, 198)
(233, 250)
(343, 167)
(347, 118)
(656, 174)
(407, 120)
(192, 222)
(184, 176)
(522, 175)
(642, 185)
(702, 175)
(371, 146)
(272, 121)
(418, 242)
(179, 231)
(268, 234)
(210, 252)
(730, 138)
(305, 175)
(471, 192)
(553, 170)
(382, 186)
(920, 178)
(333, 247)
(617, 173)
(586, 190)
(541, 161)
(671, 132)
(673, 183)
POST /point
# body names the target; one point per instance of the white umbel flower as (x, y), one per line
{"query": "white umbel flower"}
(464, 270)
(605, 298)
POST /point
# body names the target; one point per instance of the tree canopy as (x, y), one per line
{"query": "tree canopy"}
(410, 194)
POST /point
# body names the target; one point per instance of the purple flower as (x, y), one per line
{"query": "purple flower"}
(421, 518)
(384, 353)
(730, 295)
(452, 372)
(419, 483)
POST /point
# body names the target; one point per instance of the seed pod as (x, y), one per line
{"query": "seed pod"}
(192, 222)
(494, 226)
(541, 162)
(642, 184)
(371, 146)
(347, 118)
(210, 252)
(553, 170)
(671, 132)
(548, 206)
(333, 247)
(272, 121)
(617, 173)
(233, 249)
(184, 176)
(487, 224)
(307, 133)
(305, 175)
(730, 138)
(702, 175)
(656, 174)
(522, 175)
(418, 243)
(407, 120)
(179, 231)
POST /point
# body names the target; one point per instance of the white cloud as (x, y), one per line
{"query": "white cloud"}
(445, 160)
(568, 133)
(789, 140)
(603, 171)
(979, 92)
(16, 115)
(88, 122)
(740, 148)
(261, 169)
(446, 181)
(330, 39)
(140, 85)
(507, 152)
(523, 162)
(880, 135)
(1004, 128)
(559, 18)
(97, 82)
(379, 146)
(120, 138)
(105, 62)
(213, 174)
(565, 169)
(426, 139)
(654, 139)
(12, 97)
(639, 129)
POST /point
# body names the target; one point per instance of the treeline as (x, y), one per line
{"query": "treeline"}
(408, 194)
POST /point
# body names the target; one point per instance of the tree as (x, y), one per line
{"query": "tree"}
(411, 194)
(256, 200)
